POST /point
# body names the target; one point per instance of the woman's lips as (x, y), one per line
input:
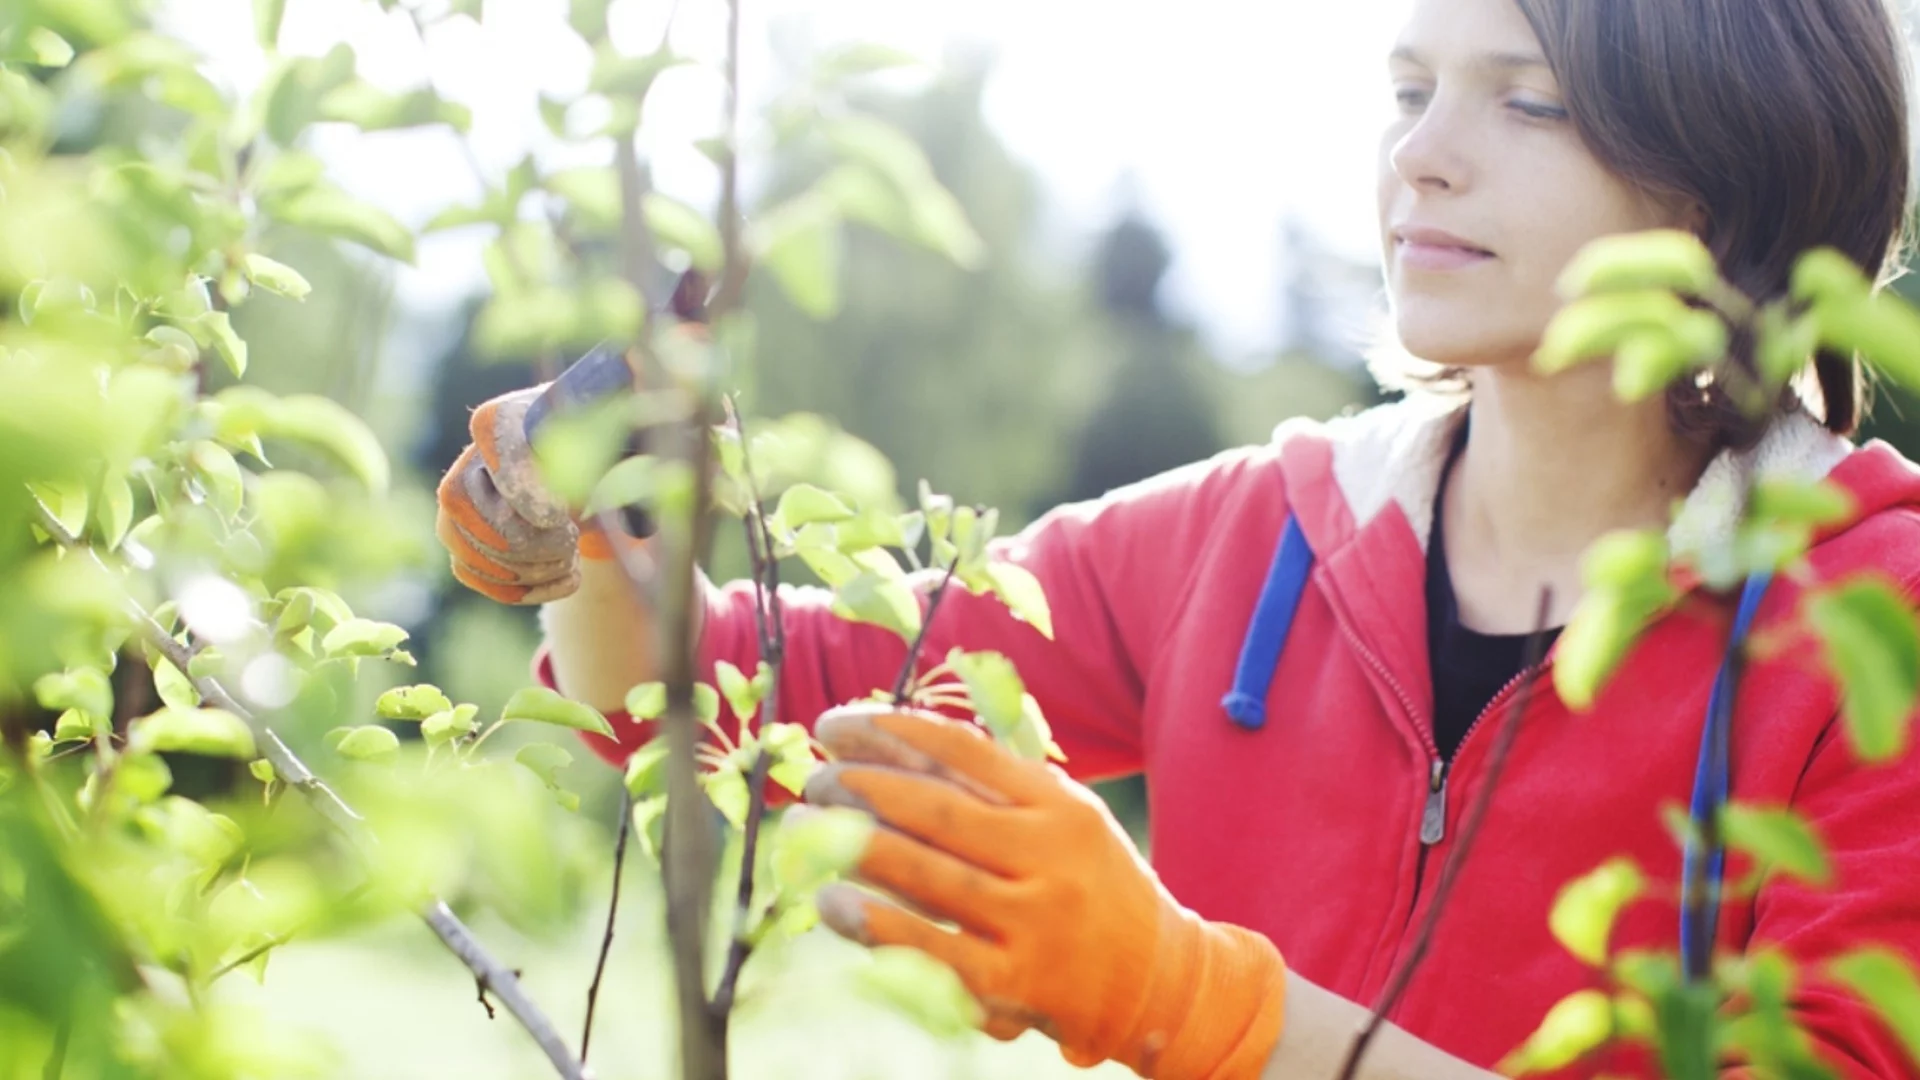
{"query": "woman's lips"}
(1418, 255)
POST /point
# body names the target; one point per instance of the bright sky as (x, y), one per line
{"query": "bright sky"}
(1227, 115)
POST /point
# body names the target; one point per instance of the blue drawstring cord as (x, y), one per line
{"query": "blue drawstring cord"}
(1710, 791)
(1246, 703)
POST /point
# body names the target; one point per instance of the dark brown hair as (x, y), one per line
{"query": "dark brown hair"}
(1785, 120)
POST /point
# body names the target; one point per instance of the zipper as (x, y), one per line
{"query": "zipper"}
(1433, 813)
(1433, 819)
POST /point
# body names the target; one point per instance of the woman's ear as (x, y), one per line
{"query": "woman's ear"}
(1696, 219)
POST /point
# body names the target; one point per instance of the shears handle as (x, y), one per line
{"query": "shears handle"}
(604, 373)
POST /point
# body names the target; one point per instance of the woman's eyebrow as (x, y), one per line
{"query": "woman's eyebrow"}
(1497, 61)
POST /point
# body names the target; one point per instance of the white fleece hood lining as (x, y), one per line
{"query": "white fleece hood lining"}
(1394, 453)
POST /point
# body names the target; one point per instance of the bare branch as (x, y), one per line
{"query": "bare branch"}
(773, 650)
(905, 678)
(1469, 828)
(613, 909)
(444, 923)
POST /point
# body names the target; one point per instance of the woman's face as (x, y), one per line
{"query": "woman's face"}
(1486, 190)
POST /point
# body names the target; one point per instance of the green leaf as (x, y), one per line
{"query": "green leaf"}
(922, 211)
(1016, 587)
(212, 732)
(1873, 650)
(1584, 912)
(48, 49)
(362, 637)
(647, 701)
(329, 211)
(66, 502)
(144, 777)
(706, 703)
(1777, 838)
(1654, 358)
(214, 466)
(629, 77)
(277, 277)
(922, 987)
(113, 510)
(1825, 274)
(1625, 559)
(543, 706)
(173, 685)
(85, 689)
(738, 690)
(1885, 981)
(592, 194)
(73, 725)
(266, 21)
(588, 19)
(1598, 325)
(449, 724)
(793, 760)
(412, 702)
(727, 788)
(800, 244)
(1882, 328)
(872, 528)
(1800, 502)
(862, 58)
(1656, 259)
(287, 173)
(543, 760)
(574, 450)
(818, 844)
(1576, 1025)
(804, 504)
(262, 770)
(370, 108)
(1626, 576)
(218, 326)
(646, 774)
(994, 687)
(368, 742)
(675, 225)
(871, 598)
(326, 425)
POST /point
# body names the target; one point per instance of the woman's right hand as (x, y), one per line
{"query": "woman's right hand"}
(510, 539)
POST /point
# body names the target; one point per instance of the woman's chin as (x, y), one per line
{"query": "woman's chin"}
(1451, 344)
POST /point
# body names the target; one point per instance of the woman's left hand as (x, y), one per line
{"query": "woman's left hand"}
(1061, 926)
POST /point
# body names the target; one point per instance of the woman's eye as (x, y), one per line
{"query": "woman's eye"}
(1410, 97)
(1538, 111)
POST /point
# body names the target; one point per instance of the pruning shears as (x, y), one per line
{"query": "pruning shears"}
(605, 373)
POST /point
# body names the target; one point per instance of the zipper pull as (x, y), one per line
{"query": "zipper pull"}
(1433, 820)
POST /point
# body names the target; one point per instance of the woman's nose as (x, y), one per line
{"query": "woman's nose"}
(1431, 156)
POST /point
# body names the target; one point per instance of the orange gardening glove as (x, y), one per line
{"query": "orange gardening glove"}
(509, 538)
(1061, 926)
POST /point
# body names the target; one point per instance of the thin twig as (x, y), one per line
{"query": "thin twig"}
(905, 678)
(613, 909)
(773, 647)
(294, 772)
(1463, 845)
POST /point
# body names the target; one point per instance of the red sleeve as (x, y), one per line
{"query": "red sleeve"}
(1113, 570)
(1865, 814)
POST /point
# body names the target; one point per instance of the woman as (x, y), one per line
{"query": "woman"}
(1307, 645)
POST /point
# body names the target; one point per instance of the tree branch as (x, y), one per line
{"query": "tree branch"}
(773, 650)
(1463, 846)
(905, 678)
(613, 909)
(453, 933)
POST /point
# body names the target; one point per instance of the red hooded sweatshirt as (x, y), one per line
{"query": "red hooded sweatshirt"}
(1306, 824)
